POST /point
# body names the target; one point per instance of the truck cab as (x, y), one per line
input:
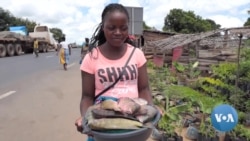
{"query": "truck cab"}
(42, 33)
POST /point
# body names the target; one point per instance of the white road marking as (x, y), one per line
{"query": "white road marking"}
(7, 94)
(71, 65)
(49, 56)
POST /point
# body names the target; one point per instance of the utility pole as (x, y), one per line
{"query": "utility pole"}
(238, 61)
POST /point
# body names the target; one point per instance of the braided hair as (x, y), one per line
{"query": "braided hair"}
(98, 38)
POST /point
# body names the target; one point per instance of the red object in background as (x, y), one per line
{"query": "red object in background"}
(177, 52)
(158, 61)
(131, 37)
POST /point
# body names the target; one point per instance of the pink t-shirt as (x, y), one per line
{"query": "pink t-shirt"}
(106, 71)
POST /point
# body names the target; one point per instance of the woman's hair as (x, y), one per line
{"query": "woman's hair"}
(86, 42)
(98, 38)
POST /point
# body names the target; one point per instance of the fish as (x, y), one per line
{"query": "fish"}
(127, 105)
(114, 123)
(101, 113)
(110, 105)
(89, 115)
(150, 114)
(140, 101)
(143, 110)
(88, 118)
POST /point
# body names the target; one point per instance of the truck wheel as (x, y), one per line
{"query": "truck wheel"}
(10, 49)
(18, 49)
(2, 50)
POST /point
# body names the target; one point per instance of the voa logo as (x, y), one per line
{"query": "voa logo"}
(224, 117)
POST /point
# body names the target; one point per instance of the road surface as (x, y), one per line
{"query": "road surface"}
(39, 101)
(18, 67)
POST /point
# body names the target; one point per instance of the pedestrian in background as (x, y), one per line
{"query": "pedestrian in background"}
(64, 53)
(84, 49)
(36, 47)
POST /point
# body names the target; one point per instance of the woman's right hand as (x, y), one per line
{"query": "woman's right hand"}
(78, 124)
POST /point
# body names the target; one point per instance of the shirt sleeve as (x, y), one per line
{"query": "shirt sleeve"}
(88, 64)
(140, 58)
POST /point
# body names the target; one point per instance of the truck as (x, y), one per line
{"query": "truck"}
(42, 33)
(17, 40)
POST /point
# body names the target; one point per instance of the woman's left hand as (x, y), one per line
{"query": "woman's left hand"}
(78, 124)
(160, 110)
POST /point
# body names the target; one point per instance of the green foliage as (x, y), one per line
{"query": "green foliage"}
(247, 23)
(150, 64)
(245, 53)
(224, 71)
(221, 83)
(240, 131)
(172, 116)
(192, 95)
(167, 126)
(57, 33)
(190, 71)
(180, 68)
(246, 45)
(145, 26)
(207, 129)
(211, 91)
(159, 77)
(187, 22)
(212, 86)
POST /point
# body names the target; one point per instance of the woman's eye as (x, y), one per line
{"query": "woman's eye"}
(111, 28)
(124, 28)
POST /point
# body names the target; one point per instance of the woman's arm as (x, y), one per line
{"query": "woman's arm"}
(143, 84)
(88, 91)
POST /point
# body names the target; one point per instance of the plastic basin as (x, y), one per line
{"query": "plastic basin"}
(135, 135)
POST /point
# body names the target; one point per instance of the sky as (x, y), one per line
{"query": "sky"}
(79, 18)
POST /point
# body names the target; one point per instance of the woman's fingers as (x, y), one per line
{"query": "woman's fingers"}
(160, 110)
(78, 124)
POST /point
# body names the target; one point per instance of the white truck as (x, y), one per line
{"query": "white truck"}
(42, 32)
(17, 40)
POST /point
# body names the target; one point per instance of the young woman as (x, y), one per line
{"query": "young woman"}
(65, 52)
(105, 61)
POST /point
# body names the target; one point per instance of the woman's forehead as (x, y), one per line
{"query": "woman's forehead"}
(116, 16)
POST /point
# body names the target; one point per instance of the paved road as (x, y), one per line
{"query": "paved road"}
(19, 67)
(39, 103)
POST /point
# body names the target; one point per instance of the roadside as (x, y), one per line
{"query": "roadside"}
(43, 110)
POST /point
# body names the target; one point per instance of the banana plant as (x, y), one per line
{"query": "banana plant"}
(172, 116)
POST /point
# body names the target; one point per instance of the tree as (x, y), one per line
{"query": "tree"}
(145, 26)
(213, 24)
(57, 33)
(247, 23)
(187, 22)
(5, 20)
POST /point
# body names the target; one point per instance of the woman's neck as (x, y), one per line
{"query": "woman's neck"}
(112, 52)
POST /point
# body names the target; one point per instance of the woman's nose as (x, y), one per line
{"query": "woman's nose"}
(117, 31)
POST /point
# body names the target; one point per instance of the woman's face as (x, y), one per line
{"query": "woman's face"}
(115, 28)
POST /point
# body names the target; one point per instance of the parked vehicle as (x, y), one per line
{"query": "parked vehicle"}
(18, 40)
